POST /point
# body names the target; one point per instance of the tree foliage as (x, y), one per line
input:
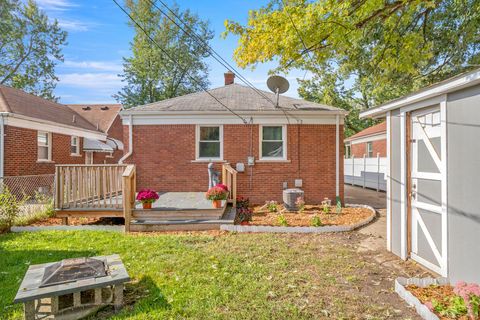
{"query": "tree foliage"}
(30, 48)
(149, 74)
(381, 49)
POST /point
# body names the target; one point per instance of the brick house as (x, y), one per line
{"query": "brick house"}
(36, 134)
(370, 142)
(106, 118)
(297, 144)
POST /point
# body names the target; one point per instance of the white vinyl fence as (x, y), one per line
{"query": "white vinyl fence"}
(366, 172)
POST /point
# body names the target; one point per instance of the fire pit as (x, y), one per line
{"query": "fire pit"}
(72, 288)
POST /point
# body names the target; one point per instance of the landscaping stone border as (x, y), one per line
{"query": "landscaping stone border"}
(325, 229)
(422, 310)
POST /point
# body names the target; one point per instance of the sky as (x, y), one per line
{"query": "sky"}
(99, 37)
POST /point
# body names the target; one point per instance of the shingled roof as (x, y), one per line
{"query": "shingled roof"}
(236, 97)
(370, 131)
(102, 115)
(19, 102)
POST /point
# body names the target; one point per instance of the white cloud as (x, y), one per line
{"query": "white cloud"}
(104, 82)
(58, 5)
(73, 25)
(94, 65)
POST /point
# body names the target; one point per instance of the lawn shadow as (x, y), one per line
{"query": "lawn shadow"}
(140, 297)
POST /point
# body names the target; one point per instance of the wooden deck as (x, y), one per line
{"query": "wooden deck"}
(100, 191)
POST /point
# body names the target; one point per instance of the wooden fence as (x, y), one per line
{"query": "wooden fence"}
(88, 186)
(229, 178)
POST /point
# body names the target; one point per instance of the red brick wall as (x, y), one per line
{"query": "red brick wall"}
(21, 152)
(378, 146)
(164, 153)
(115, 131)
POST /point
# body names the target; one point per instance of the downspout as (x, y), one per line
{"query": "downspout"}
(130, 141)
(337, 156)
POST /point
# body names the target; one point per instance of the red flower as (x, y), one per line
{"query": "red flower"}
(221, 185)
(216, 193)
(147, 195)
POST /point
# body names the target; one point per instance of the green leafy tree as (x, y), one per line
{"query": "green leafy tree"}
(382, 49)
(30, 48)
(149, 74)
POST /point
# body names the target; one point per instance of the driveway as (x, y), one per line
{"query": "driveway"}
(358, 195)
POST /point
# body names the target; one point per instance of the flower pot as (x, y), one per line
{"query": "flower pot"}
(147, 205)
(217, 203)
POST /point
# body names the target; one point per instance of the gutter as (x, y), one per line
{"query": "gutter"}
(130, 141)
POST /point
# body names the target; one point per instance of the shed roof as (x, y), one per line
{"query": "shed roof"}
(102, 115)
(237, 98)
(19, 102)
(370, 131)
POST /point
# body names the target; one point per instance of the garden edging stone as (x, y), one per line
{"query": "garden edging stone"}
(405, 294)
(324, 229)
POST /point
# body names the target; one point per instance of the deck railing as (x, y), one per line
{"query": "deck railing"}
(229, 178)
(88, 186)
(129, 186)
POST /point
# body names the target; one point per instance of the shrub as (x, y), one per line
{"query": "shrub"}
(272, 206)
(147, 196)
(216, 193)
(9, 209)
(316, 221)
(244, 212)
(300, 203)
(243, 202)
(326, 205)
(470, 294)
(282, 221)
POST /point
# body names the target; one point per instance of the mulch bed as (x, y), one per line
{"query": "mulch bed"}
(440, 293)
(78, 222)
(348, 216)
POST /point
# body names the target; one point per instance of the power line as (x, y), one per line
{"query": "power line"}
(178, 64)
(214, 54)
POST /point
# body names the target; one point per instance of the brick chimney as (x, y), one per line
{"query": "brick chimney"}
(229, 77)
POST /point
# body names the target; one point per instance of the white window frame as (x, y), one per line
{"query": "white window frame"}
(197, 143)
(49, 146)
(77, 145)
(284, 140)
(348, 151)
(369, 150)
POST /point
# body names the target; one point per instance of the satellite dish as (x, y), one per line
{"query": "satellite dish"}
(277, 85)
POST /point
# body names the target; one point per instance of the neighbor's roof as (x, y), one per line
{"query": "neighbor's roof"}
(236, 97)
(452, 84)
(370, 131)
(19, 102)
(95, 145)
(102, 115)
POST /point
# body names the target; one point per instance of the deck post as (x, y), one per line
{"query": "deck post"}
(128, 193)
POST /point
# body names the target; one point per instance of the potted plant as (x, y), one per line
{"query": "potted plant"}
(147, 197)
(244, 212)
(217, 194)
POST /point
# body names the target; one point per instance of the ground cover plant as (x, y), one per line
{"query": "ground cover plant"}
(214, 275)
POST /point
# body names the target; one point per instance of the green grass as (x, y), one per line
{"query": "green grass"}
(202, 276)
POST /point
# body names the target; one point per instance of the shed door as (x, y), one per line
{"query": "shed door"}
(426, 189)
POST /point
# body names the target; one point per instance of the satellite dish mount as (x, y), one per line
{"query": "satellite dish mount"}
(277, 85)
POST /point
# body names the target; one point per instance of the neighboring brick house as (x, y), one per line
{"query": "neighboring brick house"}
(106, 118)
(369, 142)
(174, 140)
(36, 134)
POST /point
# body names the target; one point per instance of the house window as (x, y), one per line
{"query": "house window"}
(209, 142)
(348, 151)
(75, 146)
(273, 142)
(44, 146)
(369, 150)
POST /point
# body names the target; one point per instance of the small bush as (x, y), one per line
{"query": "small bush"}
(316, 221)
(282, 221)
(244, 212)
(9, 209)
(35, 212)
(300, 203)
(272, 206)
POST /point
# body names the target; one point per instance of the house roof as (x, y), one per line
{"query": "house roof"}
(370, 131)
(102, 115)
(95, 145)
(236, 97)
(455, 83)
(19, 102)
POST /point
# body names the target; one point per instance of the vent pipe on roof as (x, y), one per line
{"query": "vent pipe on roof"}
(229, 77)
(74, 119)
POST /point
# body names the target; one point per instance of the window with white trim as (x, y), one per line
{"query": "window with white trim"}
(209, 142)
(369, 149)
(348, 151)
(44, 146)
(75, 145)
(273, 142)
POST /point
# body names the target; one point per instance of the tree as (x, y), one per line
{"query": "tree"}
(383, 49)
(30, 48)
(149, 74)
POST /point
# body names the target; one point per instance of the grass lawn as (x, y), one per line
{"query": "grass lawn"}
(221, 276)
